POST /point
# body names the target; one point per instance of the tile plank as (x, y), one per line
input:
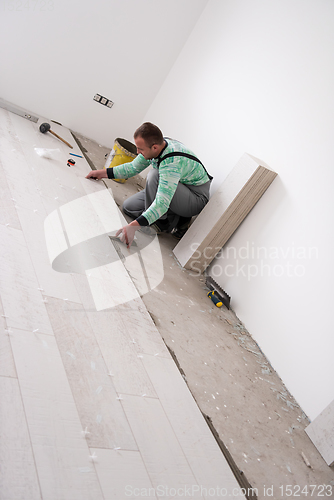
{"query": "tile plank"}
(110, 285)
(120, 352)
(163, 457)
(122, 474)
(41, 180)
(90, 216)
(7, 365)
(320, 431)
(205, 458)
(141, 328)
(61, 452)
(8, 213)
(26, 190)
(137, 322)
(143, 262)
(21, 179)
(53, 283)
(93, 390)
(19, 479)
(22, 301)
(227, 208)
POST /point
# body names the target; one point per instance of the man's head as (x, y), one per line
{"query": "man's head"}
(149, 140)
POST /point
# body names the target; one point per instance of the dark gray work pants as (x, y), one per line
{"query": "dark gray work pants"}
(187, 201)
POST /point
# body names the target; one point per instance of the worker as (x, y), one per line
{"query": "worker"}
(177, 187)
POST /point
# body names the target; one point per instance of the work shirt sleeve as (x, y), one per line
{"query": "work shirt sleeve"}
(169, 176)
(129, 169)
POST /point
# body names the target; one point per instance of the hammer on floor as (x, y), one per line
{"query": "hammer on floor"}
(45, 127)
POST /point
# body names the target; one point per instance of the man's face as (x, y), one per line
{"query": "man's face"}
(142, 148)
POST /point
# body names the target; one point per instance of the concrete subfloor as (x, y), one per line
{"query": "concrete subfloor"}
(231, 380)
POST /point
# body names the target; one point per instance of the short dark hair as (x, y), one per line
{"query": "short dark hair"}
(150, 133)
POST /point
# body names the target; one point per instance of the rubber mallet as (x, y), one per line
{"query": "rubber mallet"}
(45, 127)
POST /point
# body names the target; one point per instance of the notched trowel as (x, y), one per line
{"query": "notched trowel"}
(218, 292)
(139, 243)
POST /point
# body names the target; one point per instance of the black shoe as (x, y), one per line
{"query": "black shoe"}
(182, 227)
(166, 225)
(161, 226)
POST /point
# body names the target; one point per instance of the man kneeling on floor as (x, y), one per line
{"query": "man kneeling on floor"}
(177, 188)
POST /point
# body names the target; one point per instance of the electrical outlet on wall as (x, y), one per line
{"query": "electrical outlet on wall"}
(103, 100)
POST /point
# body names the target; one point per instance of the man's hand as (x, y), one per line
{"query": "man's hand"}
(128, 233)
(97, 174)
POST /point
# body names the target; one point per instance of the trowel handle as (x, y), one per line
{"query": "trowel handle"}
(215, 299)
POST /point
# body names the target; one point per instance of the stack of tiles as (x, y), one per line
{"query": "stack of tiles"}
(225, 211)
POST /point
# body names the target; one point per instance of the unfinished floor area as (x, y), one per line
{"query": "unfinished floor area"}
(111, 393)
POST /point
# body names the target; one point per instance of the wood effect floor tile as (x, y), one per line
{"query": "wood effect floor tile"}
(84, 291)
(18, 479)
(22, 187)
(44, 180)
(198, 444)
(53, 283)
(161, 452)
(141, 328)
(110, 285)
(120, 353)
(21, 179)
(7, 366)
(29, 137)
(62, 456)
(22, 301)
(90, 216)
(319, 431)
(94, 393)
(8, 213)
(151, 261)
(88, 185)
(144, 261)
(122, 474)
(229, 205)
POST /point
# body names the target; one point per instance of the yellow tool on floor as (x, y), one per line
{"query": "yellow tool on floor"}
(216, 300)
(217, 294)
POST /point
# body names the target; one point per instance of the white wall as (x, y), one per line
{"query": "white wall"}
(257, 76)
(57, 54)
